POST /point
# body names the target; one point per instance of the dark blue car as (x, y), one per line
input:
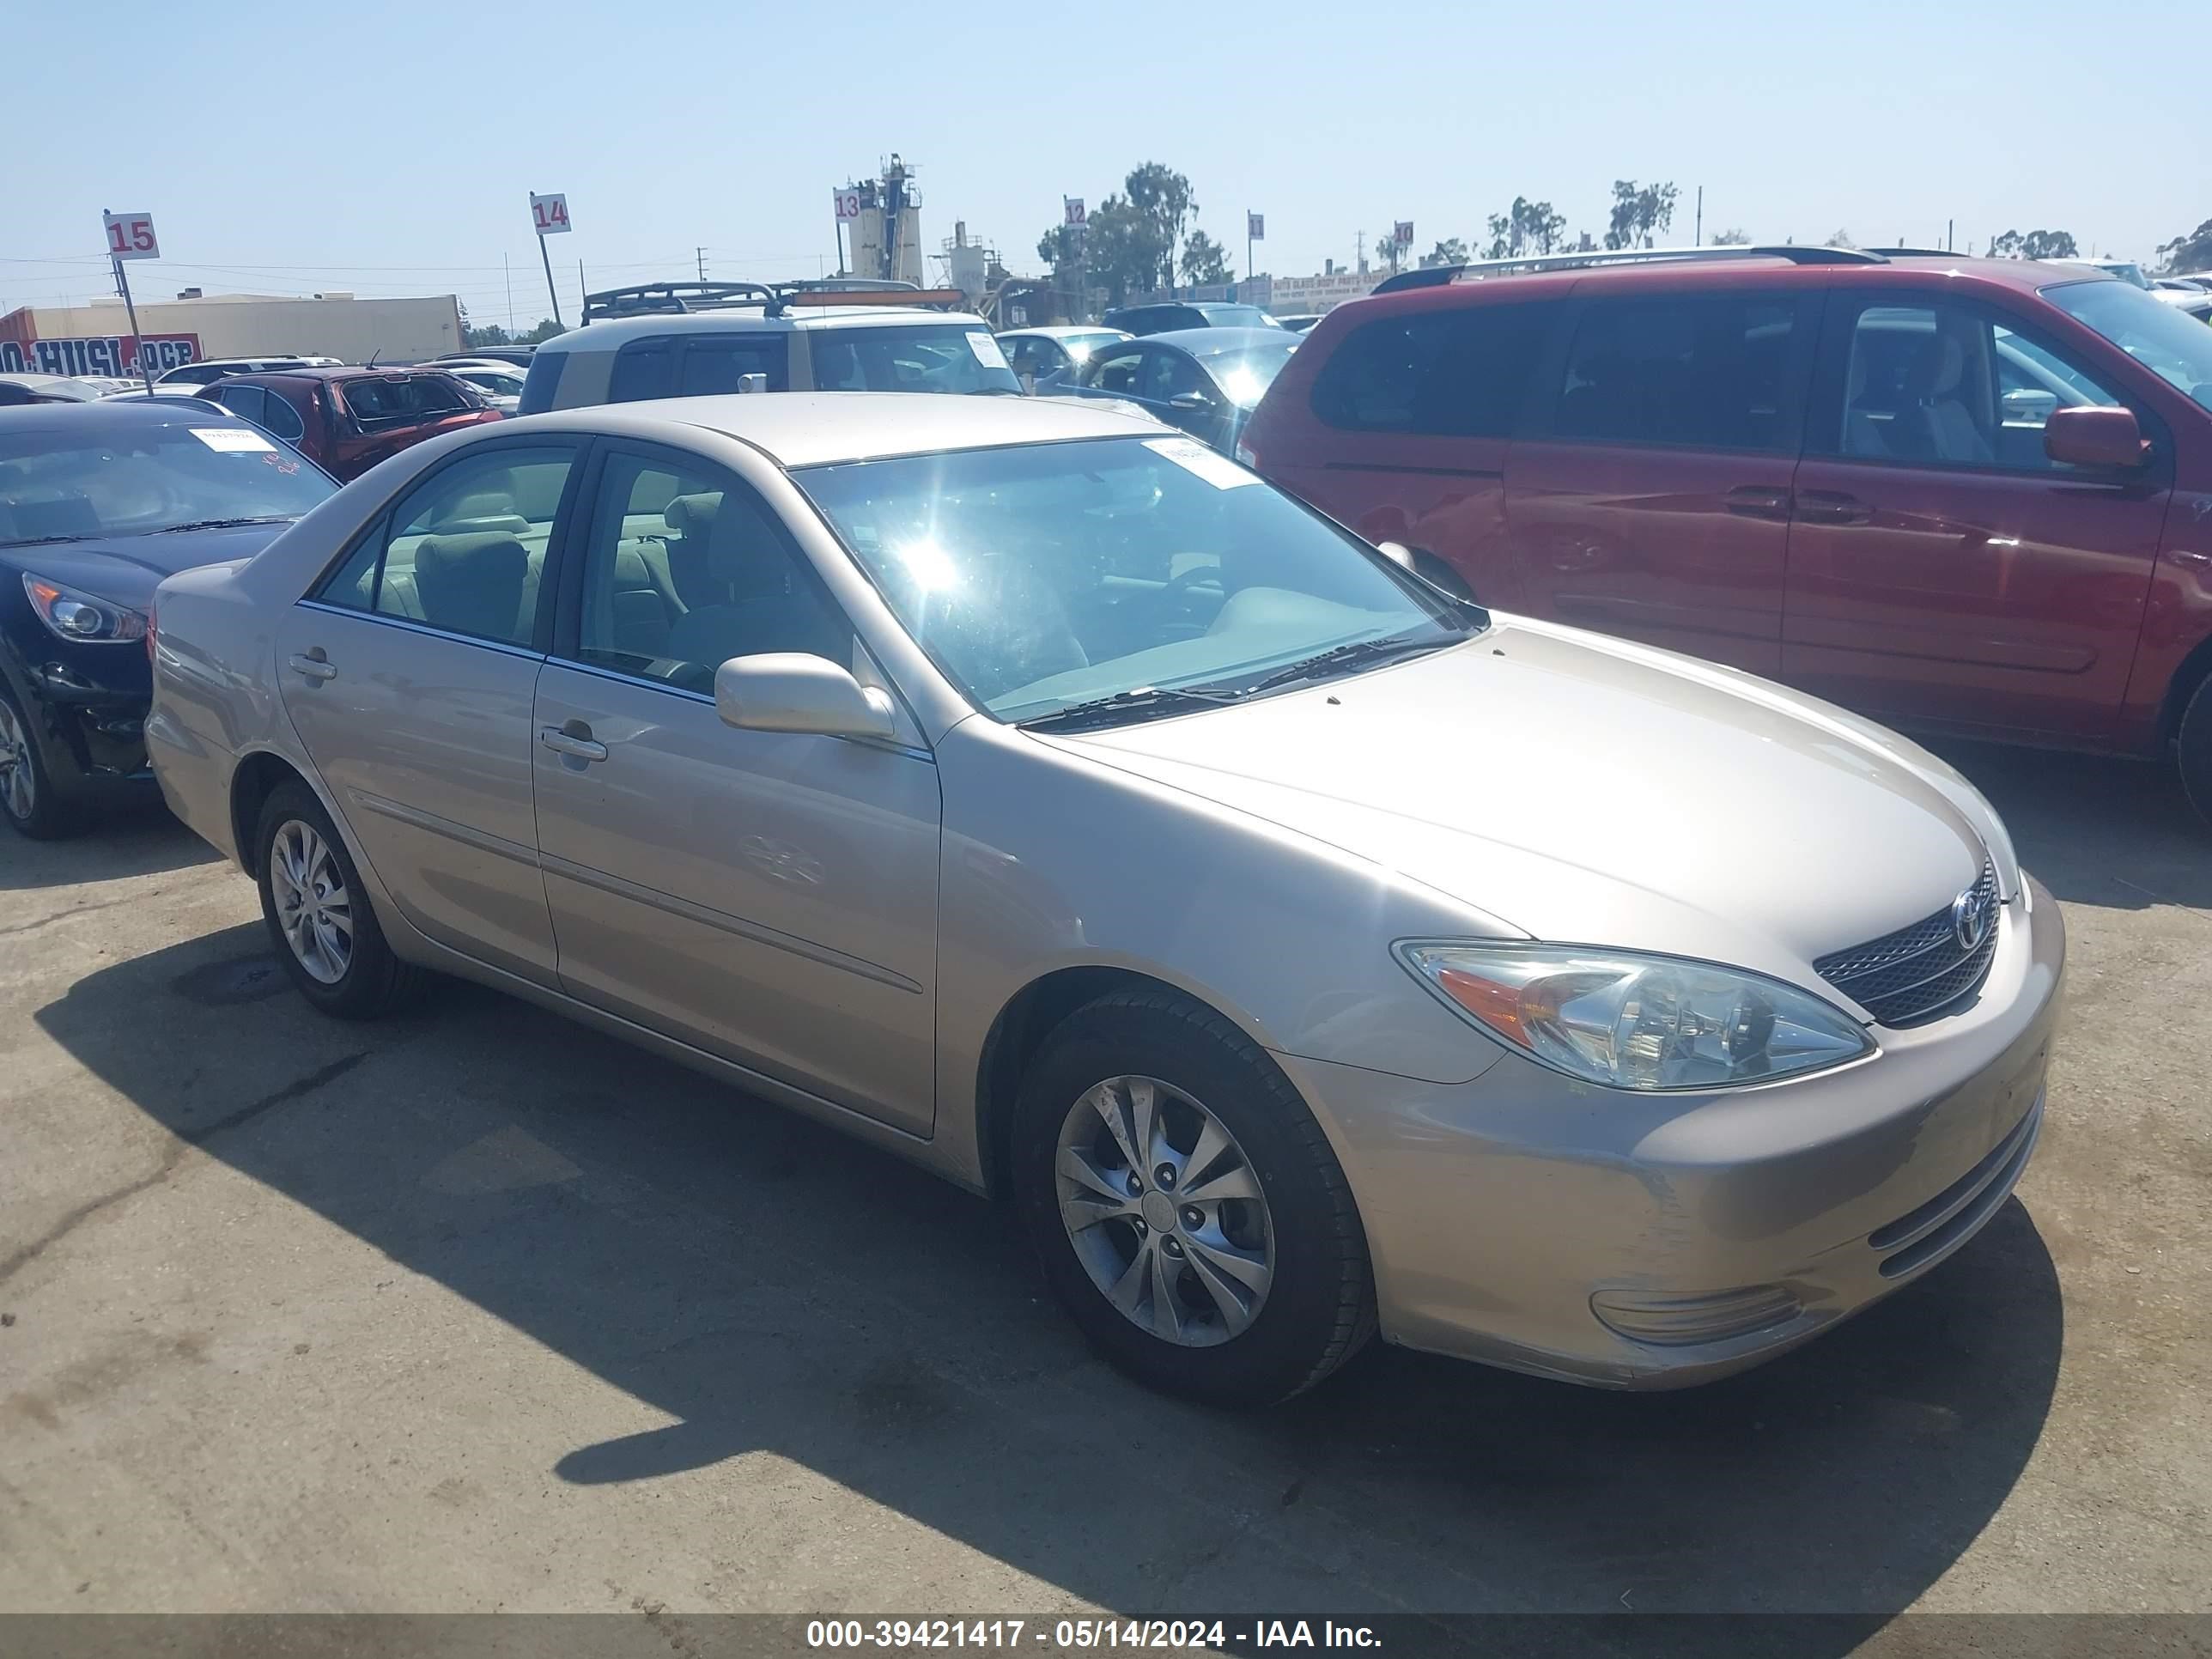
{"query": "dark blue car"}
(98, 502)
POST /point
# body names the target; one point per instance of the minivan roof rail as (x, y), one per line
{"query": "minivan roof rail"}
(1440, 276)
(652, 299)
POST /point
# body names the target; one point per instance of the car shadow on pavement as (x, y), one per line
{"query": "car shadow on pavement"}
(134, 838)
(2093, 829)
(776, 1288)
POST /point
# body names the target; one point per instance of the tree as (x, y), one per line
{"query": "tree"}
(546, 329)
(2192, 252)
(1163, 196)
(1205, 261)
(491, 334)
(1841, 239)
(2034, 245)
(1131, 245)
(1526, 227)
(1639, 215)
(1061, 246)
(1450, 252)
(1732, 239)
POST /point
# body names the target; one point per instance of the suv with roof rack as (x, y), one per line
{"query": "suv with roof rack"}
(1973, 495)
(696, 339)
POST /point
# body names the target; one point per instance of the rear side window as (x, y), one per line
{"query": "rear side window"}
(672, 367)
(246, 400)
(1457, 374)
(280, 418)
(542, 383)
(1716, 372)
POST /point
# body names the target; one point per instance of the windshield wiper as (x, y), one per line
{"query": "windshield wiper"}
(46, 541)
(221, 523)
(1144, 700)
(1355, 654)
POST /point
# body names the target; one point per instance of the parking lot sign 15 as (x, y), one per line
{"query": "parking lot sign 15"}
(130, 236)
(550, 213)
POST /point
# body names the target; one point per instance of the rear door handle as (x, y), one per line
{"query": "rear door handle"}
(1832, 506)
(313, 664)
(1758, 501)
(574, 739)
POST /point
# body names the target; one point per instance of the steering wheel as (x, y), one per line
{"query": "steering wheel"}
(1178, 586)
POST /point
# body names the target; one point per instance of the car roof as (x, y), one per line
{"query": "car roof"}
(345, 372)
(1060, 330)
(818, 429)
(1713, 267)
(1221, 342)
(144, 412)
(610, 333)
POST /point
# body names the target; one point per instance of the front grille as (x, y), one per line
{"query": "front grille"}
(1918, 971)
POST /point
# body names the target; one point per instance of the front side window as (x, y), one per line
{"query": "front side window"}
(1118, 371)
(918, 357)
(1458, 373)
(464, 550)
(1947, 384)
(686, 568)
(2163, 338)
(1713, 371)
(1044, 576)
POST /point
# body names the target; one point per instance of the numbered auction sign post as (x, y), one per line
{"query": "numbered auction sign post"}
(130, 236)
(550, 215)
(847, 200)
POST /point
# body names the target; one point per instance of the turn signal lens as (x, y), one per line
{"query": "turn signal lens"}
(1629, 1021)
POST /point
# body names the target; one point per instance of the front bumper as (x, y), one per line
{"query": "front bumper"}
(87, 707)
(1714, 1230)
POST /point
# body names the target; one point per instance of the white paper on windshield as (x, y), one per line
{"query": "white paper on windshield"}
(231, 440)
(1192, 456)
(987, 351)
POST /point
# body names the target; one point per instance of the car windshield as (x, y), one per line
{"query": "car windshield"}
(2161, 337)
(1048, 575)
(137, 479)
(1246, 375)
(949, 357)
(397, 399)
(1237, 317)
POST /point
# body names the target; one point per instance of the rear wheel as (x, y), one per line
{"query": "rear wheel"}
(28, 799)
(2193, 751)
(1185, 1205)
(318, 917)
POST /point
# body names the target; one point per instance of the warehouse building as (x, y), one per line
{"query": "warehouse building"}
(96, 339)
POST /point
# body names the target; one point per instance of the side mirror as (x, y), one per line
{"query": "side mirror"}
(1399, 553)
(2095, 436)
(792, 691)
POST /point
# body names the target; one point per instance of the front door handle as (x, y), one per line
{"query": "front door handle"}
(1832, 506)
(313, 665)
(573, 739)
(1758, 501)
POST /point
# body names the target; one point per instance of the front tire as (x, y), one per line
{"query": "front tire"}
(319, 915)
(28, 799)
(2193, 750)
(1185, 1205)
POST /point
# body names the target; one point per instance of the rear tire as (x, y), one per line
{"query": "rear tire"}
(28, 799)
(1246, 1279)
(2193, 750)
(319, 915)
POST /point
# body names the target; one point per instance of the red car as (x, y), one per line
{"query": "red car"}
(1965, 495)
(347, 420)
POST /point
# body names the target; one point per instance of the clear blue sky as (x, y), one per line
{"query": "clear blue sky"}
(390, 147)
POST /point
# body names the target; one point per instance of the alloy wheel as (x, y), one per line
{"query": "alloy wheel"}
(314, 911)
(1164, 1211)
(19, 784)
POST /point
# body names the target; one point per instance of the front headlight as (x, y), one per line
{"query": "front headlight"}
(1629, 1021)
(76, 616)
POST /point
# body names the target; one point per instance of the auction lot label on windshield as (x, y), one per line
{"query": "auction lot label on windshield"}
(231, 440)
(1192, 456)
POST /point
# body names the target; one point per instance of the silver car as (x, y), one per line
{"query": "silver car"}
(1043, 796)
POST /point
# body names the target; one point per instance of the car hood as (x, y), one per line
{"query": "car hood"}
(126, 569)
(1585, 790)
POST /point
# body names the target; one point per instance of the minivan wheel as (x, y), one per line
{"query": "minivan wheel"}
(28, 799)
(318, 917)
(2193, 750)
(1185, 1205)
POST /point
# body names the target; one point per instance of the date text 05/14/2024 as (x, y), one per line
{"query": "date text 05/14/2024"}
(1071, 1635)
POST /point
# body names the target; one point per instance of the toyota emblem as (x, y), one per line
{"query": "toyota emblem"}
(1970, 919)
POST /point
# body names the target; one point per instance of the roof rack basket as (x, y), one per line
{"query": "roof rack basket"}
(1440, 276)
(655, 299)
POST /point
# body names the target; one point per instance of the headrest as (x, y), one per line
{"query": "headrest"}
(479, 556)
(1939, 367)
(693, 515)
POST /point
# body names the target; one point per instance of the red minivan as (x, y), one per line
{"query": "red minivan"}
(347, 420)
(1965, 495)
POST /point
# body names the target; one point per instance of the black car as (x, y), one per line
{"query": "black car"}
(1206, 380)
(98, 502)
(1165, 315)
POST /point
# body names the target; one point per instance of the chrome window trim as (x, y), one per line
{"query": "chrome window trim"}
(413, 627)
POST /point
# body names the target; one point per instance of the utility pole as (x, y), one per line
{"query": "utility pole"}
(1697, 236)
(582, 290)
(1950, 230)
(137, 342)
(702, 263)
(1359, 252)
(508, 276)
